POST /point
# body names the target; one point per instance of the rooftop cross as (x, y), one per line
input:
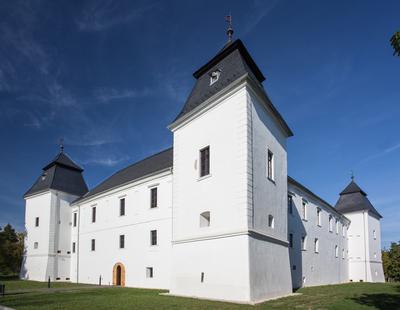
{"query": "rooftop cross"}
(352, 175)
(229, 31)
(62, 145)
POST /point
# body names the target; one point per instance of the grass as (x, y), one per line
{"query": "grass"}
(346, 296)
(12, 285)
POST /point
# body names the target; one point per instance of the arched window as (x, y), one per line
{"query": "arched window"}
(271, 221)
(205, 219)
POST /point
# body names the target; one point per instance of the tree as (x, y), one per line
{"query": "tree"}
(391, 262)
(11, 250)
(395, 42)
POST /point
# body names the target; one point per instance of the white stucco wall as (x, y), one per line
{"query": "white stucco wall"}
(363, 265)
(310, 268)
(136, 224)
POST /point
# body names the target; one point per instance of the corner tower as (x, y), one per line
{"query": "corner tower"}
(230, 186)
(364, 235)
(48, 220)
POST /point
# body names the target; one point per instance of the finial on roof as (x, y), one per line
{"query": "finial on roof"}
(352, 175)
(229, 31)
(62, 145)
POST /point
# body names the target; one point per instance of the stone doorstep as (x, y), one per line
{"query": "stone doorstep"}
(253, 303)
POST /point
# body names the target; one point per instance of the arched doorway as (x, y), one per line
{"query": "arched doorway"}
(119, 274)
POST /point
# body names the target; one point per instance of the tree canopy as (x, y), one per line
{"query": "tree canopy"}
(11, 250)
(391, 262)
(395, 41)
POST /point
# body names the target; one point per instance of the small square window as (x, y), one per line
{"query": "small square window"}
(149, 272)
(36, 245)
(153, 237)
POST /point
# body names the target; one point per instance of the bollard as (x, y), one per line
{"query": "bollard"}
(48, 283)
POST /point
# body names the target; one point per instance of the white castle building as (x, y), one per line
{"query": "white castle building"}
(215, 217)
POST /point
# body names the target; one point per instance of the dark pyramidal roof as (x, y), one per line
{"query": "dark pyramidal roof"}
(353, 198)
(147, 166)
(62, 174)
(233, 62)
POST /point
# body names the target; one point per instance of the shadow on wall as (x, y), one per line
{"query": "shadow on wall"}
(297, 229)
(380, 301)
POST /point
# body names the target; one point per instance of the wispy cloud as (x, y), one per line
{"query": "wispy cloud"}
(105, 161)
(99, 15)
(380, 154)
(258, 10)
(105, 95)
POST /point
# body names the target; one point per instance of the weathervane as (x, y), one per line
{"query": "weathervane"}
(229, 31)
(62, 145)
(352, 175)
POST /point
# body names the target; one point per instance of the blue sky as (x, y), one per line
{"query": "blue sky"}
(109, 76)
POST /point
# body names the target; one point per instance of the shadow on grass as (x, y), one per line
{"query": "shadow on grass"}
(379, 301)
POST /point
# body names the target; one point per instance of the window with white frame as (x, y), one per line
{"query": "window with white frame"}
(319, 223)
(304, 243)
(270, 165)
(316, 245)
(122, 207)
(214, 76)
(271, 221)
(153, 237)
(149, 272)
(205, 219)
(153, 197)
(290, 204)
(122, 241)
(304, 209)
(205, 161)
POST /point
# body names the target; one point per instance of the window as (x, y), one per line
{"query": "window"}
(336, 251)
(214, 76)
(319, 217)
(205, 161)
(271, 221)
(330, 223)
(75, 219)
(343, 254)
(291, 240)
(202, 277)
(149, 272)
(153, 197)
(73, 247)
(37, 222)
(122, 241)
(122, 207)
(270, 165)
(205, 219)
(153, 237)
(316, 245)
(290, 204)
(93, 245)
(374, 234)
(303, 243)
(337, 226)
(35, 245)
(93, 214)
(304, 210)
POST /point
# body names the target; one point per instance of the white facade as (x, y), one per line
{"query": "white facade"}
(228, 225)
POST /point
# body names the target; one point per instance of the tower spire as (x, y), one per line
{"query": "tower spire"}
(229, 31)
(62, 145)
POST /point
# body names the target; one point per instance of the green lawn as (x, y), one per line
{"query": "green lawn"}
(26, 285)
(347, 296)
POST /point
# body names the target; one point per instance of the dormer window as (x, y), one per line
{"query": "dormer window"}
(214, 76)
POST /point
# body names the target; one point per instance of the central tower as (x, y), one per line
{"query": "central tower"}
(230, 186)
